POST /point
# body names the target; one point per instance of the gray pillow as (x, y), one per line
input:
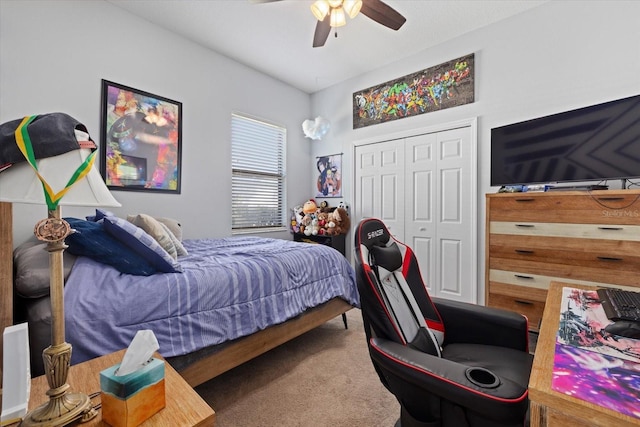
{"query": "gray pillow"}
(31, 267)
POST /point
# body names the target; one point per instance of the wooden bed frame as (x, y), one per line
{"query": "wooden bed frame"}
(224, 358)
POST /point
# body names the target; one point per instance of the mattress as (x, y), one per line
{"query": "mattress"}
(229, 288)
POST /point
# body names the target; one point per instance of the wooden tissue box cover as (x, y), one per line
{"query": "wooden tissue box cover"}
(129, 400)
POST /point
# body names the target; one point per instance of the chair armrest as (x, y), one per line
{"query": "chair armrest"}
(478, 324)
(506, 402)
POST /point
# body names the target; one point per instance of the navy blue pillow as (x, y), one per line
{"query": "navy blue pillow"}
(100, 214)
(91, 240)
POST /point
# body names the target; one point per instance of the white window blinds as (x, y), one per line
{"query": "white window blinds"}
(258, 174)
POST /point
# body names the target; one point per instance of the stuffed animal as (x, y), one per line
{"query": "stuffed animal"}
(309, 207)
(323, 218)
(341, 222)
(305, 225)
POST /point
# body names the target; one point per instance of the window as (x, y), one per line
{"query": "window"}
(258, 175)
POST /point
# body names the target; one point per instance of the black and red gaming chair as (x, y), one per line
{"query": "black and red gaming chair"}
(448, 363)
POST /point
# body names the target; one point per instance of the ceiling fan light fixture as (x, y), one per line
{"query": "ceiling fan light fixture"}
(320, 9)
(334, 3)
(338, 18)
(352, 7)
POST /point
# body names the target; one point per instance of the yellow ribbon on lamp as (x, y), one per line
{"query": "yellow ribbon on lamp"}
(24, 144)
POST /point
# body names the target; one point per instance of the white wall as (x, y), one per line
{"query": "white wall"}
(559, 56)
(53, 55)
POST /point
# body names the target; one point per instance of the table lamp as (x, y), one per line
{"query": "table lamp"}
(67, 179)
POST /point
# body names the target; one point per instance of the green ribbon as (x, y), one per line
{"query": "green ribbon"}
(23, 140)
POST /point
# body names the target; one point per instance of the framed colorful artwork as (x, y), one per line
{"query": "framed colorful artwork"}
(329, 182)
(141, 140)
(446, 85)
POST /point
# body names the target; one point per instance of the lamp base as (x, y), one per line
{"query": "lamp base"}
(62, 408)
(61, 411)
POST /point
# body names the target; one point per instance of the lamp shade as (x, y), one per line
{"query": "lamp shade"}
(20, 184)
(320, 9)
(337, 17)
(352, 7)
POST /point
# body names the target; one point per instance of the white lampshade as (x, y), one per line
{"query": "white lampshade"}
(337, 17)
(352, 7)
(20, 184)
(320, 9)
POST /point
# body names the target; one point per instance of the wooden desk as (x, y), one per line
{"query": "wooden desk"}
(184, 407)
(549, 407)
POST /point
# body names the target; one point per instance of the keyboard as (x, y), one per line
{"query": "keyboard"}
(619, 304)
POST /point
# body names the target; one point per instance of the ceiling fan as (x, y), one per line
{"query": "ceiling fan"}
(331, 14)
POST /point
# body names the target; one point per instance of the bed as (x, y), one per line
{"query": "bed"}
(281, 289)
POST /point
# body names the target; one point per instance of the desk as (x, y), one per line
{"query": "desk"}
(184, 407)
(549, 407)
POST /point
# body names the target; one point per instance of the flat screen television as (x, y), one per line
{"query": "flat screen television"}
(596, 143)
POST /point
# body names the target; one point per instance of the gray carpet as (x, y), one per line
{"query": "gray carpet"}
(322, 378)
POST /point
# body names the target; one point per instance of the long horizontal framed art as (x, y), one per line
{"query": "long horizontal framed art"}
(449, 84)
(141, 140)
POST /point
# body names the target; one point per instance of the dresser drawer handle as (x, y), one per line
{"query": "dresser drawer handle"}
(520, 276)
(611, 228)
(525, 225)
(609, 258)
(610, 198)
(518, 301)
(525, 200)
(524, 251)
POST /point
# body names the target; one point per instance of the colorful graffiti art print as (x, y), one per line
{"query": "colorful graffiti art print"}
(447, 85)
(591, 364)
(141, 140)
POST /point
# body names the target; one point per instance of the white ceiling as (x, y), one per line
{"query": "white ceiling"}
(275, 38)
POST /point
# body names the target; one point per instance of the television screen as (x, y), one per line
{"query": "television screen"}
(594, 143)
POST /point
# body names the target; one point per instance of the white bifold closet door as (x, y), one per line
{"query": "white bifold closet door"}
(423, 188)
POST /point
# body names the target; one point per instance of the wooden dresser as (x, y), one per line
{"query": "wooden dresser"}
(586, 237)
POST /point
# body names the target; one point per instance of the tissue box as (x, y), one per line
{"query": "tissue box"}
(130, 399)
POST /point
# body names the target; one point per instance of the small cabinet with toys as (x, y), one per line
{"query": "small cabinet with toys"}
(322, 224)
(336, 242)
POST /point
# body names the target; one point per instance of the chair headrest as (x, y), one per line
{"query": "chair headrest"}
(387, 257)
(372, 232)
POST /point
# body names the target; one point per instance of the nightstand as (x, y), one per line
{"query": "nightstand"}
(184, 407)
(336, 242)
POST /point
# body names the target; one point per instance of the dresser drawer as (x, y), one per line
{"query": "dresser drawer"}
(607, 254)
(525, 301)
(582, 231)
(587, 273)
(608, 207)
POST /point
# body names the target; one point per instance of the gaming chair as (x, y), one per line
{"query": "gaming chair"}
(448, 363)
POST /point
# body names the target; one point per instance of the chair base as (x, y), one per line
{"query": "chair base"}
(406, 420)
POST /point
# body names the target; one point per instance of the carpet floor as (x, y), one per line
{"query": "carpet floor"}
(322, 378)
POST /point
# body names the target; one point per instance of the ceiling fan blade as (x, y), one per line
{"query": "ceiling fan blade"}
(323, 28)
(382, 14)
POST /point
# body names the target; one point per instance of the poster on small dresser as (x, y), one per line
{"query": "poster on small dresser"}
(591, 364)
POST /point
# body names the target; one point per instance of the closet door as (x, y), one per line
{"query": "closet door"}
(379, 177)
(420, 203)
(440, 220)
(423, 188)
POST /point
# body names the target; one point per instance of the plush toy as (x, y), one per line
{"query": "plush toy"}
(298, 212)
(341, 222)
(305, 225)
(309, 207)
(315, 228)
(323, 218)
